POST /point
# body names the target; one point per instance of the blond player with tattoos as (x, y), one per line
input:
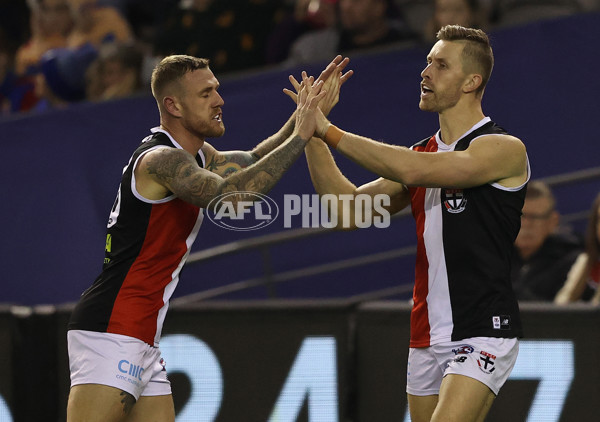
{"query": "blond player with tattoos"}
(117, 373)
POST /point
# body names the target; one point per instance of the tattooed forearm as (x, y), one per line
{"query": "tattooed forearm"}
(262, 176)
(226, 163)
(215, 162)
(178, 171)
(277, 139)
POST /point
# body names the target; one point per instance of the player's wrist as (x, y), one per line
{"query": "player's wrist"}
(332, 135)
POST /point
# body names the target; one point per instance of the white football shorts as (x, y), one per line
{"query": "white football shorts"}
(486, 359)
(117, 361)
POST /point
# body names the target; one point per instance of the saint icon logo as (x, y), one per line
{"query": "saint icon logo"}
(454, 200)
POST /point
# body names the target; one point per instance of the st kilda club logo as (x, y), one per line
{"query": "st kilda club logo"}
(486, 362)
(454, 200)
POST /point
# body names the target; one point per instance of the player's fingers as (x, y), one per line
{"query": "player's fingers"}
(346, 76)
(291, 94)
(315, 92)
(314, 101)
(316, 87)
(294, 82)
(302, 94)
(330, 68)
(342, 63)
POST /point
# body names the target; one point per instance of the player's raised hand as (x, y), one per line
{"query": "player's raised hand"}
(307, 111)
(332, 87)
(335, 67)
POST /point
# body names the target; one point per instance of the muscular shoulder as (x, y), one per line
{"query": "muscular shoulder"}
(498, 140)
(507, 154)
(165, 162)
(499, 148)
(158, 168)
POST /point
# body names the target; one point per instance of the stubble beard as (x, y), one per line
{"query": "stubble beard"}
(206, 130)
(441, 101)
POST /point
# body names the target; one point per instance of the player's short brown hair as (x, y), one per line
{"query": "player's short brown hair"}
(172, 68)
(477, 56)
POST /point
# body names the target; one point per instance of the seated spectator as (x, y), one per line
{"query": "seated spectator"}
(584, 277)
(97, 24)
(116, 73)
(361, 24)
(543, 255)
(61, 76)
(50, 25)
(467, 13)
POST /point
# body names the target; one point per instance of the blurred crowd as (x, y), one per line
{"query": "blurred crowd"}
(57, 52)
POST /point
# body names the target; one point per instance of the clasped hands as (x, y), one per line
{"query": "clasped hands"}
(315, 98)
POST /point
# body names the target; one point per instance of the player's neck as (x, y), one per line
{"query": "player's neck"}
(456, 121)
(187, 140)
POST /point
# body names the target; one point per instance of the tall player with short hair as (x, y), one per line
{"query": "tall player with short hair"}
(466, 186)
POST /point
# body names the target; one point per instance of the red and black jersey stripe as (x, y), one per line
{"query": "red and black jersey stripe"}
(146, 246)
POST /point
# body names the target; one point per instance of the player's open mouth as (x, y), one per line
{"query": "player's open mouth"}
(425, 90)
(218, 117)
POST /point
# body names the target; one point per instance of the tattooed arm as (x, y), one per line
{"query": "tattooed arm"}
(227, 162)
(224, 163)
(165, 170)
(276, 139)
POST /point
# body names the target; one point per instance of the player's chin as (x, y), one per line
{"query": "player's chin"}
(425, 107)
(217, 132)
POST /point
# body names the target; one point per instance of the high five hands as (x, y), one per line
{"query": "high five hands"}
(309, 95)
(332, 77)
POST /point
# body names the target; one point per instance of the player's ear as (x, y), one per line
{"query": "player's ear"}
(170, 104)
(473, 82)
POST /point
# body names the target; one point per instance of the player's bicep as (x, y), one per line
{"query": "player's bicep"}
(179, 172)
(501, 159)
(487, 160)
